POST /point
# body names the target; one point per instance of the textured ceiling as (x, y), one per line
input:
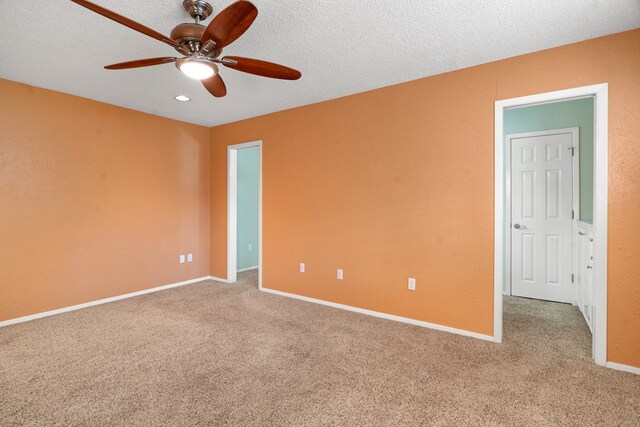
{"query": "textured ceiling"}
(340, 46)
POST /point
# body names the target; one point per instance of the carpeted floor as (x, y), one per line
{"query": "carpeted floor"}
(215, 354)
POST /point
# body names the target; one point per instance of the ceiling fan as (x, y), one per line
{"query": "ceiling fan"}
(201, 46)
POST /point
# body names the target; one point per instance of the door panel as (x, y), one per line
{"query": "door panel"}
(528, 190)
(541, 208)
(528, 260)
(553, 194)
(553, 257)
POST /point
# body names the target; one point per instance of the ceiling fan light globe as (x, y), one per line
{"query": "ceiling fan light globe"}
(198, 69)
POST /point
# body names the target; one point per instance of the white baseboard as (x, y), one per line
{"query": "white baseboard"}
(611, 365)
(100, 301)
(624, 368)
(383, 315)
(248, 268)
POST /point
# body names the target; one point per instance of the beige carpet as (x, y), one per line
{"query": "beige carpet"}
(215, 354)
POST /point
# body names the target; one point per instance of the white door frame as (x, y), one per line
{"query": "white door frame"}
(575, 192)
(232, 210)
(600, 92)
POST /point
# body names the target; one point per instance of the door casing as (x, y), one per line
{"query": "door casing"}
(600, 92)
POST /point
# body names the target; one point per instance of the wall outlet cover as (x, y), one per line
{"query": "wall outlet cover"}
(181, 259)
(340, 274)
(302, 267)
(189, 257)
(412, 284)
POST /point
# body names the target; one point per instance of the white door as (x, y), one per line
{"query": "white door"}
(541, 214)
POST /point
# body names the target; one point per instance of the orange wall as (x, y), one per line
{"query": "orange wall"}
(398, 182)
(95, 200)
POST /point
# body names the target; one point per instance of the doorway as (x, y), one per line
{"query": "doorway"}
(244, 215)
(503, 224)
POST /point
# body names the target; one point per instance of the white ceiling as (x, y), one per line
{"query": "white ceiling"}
(340, 46)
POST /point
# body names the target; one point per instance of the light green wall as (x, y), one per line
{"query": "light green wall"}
(248, 201)
(560, 115)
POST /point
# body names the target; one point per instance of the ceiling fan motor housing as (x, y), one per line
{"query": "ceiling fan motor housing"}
(188, 36)
(186, 32)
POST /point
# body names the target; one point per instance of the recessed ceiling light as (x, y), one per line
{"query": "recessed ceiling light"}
(183, 98)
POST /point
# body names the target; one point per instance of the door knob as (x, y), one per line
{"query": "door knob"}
(518, 226)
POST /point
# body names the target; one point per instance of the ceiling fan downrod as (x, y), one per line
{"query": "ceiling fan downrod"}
(198, 9)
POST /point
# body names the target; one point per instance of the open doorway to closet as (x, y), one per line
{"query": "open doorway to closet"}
(551, 215)
(244, 257)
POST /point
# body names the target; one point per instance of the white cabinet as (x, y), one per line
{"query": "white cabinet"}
(584, 271)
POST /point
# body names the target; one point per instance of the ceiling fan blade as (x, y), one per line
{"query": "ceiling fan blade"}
(140, 63)
(126, 22)
(261, 68)
(215, 85)
(230, 24)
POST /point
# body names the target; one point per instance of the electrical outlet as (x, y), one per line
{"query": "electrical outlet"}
(340, 274)
(189, 257)
(250, 247)
(302, 267)
(412, 284)
(181, 259)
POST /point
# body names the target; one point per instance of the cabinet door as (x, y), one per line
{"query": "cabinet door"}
(581, 243)
(584, 277)
(589, 282)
